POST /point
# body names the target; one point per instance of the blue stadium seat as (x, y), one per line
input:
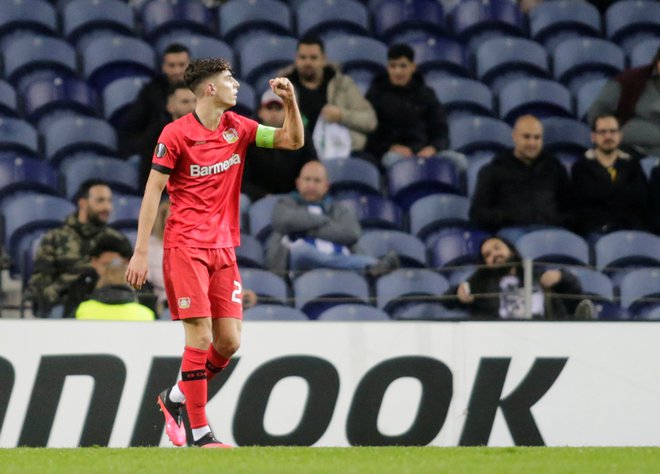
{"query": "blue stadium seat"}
(593, 282)
(393, 17)
(565, 135)
(8, 100)
(246, 102)
(410, 249)
(261, 57)
(269, 287)
(162, 17)
(86, 19)
(357, 55)
(69, 135)
(119, 95)
(274, 312)
(473, 172)
(18, 136)
(653, 314)
(199, 46)
(479, 134)
(554, 246)
(640, 291)
(110, 58)
(463, 97)
(250, 253)
(373, 212)
(120, 175)
(630, 21)
(539, 97)
(331, 18)
(352, 174)
(28, 57)
(353, 312)
(475, 21)
(25, 173)
(412, 179)
(627, 249)
(437, 211)
(580, 60)
(438, 56)
(586, 95)
(240, 20)
(648, 163)
(125, 210)
(26, 17)
(318, 290)
(643, 52)
(404, 288)
(261, 214)
(456, 247)
(552, 22)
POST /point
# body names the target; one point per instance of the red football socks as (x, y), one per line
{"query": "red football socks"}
(214, 362)
(193, 385)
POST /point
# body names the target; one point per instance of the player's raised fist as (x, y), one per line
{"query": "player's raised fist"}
(282, 87)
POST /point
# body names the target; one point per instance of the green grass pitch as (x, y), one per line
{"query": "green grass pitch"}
(398, 460)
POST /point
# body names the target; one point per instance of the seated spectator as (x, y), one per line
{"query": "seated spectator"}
(633, 97)
(610, 191)
(270, 170)
(495, 290)
(311, 230)
(325, 93)
(522, 189)
(411, 121)
(64, 253)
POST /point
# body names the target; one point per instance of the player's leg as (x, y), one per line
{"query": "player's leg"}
(226, 341)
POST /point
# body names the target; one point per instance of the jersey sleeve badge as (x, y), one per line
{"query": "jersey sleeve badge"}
(160, 150)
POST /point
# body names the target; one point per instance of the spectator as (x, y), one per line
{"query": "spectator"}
(325, 93)
(634, 98)
(110, 297)
(495, 290)
(610, 190)
(310, 230)
(64, 253)
(149, 109)
(411, 121)
(523, 188)
(270, 170)
(654, 194)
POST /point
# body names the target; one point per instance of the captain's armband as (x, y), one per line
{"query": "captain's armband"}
(265, 136)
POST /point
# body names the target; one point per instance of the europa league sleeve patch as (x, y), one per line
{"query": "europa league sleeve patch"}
(160, 151)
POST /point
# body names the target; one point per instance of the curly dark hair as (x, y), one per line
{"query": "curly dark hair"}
(201, 69)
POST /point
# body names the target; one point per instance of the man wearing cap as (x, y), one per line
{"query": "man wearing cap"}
(269, 170)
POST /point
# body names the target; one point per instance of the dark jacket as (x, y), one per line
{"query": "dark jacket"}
(602, 205)
(410, 116)
(654, 200)
(512, 193)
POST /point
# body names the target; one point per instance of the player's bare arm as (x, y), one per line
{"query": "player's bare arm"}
(136, 273)
(292, 134)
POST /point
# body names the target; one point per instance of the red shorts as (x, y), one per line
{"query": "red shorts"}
(202, 283)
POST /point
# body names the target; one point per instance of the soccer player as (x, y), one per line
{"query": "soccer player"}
(200, 158)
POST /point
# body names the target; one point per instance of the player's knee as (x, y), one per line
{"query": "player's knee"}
(229, 346)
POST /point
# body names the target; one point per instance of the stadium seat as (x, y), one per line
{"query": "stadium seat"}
(627, 249)
(479, 134)
(554, 246)
(373, 212)
(331, 18)
(86, 19)
(240, 20)
(120, 175)
(263, 56)
(653, 314)
(8, 100)
(628, 22)
(28, 57)
(404, 288)
(19, 136)
(475, 21)
(29, 247)
(586, 95)
(542, 98)
(274, 312)
(593, 282)
(565, 135)
(456, 247)
(199, 46)
(125, 210)
(437, 211)
(359, 56)
(261, 214)
(552, 22)
(246, 102)
(412, 179)
(410, 249)
(502, 60)
(163, 17)
(352, 174)
(643, 52)
(463, 97)
(318, 290)
(25, 18)
(648, 163)
(473, 172)
(393, 17)
(110, 58)
(119, 95)
(69, 135)
(269, 288)
(25, 173)
(640, 291)
(353, 312)
(580, 60)
(250, 253)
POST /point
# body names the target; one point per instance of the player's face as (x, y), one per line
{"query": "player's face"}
(272, 114)
(174, 65)
(310, 62)
(312, 184)
(98, 205)
(180, 103)
(225, 89)
(495, 252)
(528, 139)
(400, 71)
(607, 135)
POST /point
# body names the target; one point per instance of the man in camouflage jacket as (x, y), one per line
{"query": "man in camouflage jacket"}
(63, 255)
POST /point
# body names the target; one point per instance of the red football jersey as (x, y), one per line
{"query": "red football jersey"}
(205, 169)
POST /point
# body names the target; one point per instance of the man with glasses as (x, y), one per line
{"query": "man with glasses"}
(610, 191)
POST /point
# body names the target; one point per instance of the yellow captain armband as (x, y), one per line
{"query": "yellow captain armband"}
(265, 136)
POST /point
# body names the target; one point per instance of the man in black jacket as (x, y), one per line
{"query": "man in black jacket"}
(523, 188)
(411, 121)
